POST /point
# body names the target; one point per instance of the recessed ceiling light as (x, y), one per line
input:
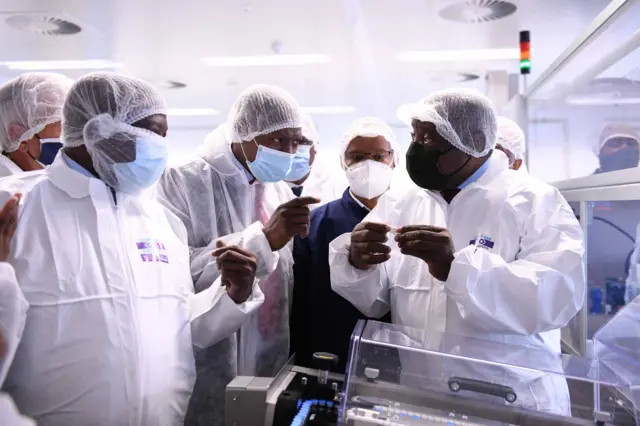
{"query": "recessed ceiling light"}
(41, 24)
(184, 112)
(462, 55)
(329, 109)
(89, 64)
(265, 60)
(475, 11)
(172, 85)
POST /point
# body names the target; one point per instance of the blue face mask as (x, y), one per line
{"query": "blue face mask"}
(301, 166)
(145, 170)
(48, 150)
(270, 164)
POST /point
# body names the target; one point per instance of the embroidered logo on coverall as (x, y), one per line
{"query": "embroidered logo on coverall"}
(482, 241)
(152, 251)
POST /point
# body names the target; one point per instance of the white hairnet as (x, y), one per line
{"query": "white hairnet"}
(464, 117)
(99, 112)
(369, 127)
(309, 130)
(31, 101)
(511, 137)
(126, 99)
(263, 109)
(615, 130)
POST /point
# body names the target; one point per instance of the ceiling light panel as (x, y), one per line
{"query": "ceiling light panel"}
(90, 64)
(602, 101)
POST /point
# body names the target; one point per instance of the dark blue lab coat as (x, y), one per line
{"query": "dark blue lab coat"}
(321, 320)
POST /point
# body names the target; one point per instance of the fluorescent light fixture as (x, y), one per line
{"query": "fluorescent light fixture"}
(329, 109)
(603, 101)
(89, 64)
(265, 60)
(190, 112)
(462, 55)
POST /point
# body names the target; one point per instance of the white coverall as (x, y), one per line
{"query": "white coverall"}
(519, 287)
(213, 197)
(13, 314)
(112, 317)
(8, 167)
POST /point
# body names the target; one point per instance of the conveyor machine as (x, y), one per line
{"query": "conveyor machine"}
(402, 376)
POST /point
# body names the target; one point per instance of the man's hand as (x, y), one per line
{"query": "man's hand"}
(429, 243)
(289, 219)
(238, 270)
(368, 246)
(8, 223)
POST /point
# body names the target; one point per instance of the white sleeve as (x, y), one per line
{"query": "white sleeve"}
(10, 415)
(252, 239)
(367, 290)
(13, 315)
(215, 316)
(539, 291)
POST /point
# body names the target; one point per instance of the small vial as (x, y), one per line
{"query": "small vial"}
(323, 376)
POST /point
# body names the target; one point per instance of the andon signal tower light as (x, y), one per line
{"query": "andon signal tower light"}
(525, 52)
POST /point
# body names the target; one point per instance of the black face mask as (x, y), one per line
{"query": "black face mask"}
(423, 169)
(626, 158)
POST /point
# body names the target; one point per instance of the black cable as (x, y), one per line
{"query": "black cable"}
(627, 262)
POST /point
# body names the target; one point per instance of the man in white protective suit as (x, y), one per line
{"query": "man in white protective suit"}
(30, 115)
(311, 173)
(13, 312)
(235, 190)
(113, 320)
(480, 250)
(511, 141)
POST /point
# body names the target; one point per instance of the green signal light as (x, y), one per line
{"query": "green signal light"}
(525, 65)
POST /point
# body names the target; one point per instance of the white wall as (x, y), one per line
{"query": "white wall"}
(183, 143)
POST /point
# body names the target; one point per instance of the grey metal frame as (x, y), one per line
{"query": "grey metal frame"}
(623, 185)
(602, 21)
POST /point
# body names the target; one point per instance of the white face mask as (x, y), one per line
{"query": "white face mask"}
(369, 179)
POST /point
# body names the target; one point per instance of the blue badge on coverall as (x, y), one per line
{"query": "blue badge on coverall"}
(152, 251)
(482, 241)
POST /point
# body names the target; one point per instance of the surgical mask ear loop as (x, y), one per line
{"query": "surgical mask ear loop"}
(244, 153)
(32, 157)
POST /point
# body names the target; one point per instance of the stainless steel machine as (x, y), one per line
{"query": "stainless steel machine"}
(402, 376)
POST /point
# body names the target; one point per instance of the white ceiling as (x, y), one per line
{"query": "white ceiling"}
(163, 40)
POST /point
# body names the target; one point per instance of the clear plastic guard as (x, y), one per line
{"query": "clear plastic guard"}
(400, 375)
(617, 346)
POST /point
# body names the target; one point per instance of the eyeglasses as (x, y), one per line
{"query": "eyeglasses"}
(358, 156)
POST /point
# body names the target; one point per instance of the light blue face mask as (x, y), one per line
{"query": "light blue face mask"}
(145, 170)
(270, 164)
(301, 166)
